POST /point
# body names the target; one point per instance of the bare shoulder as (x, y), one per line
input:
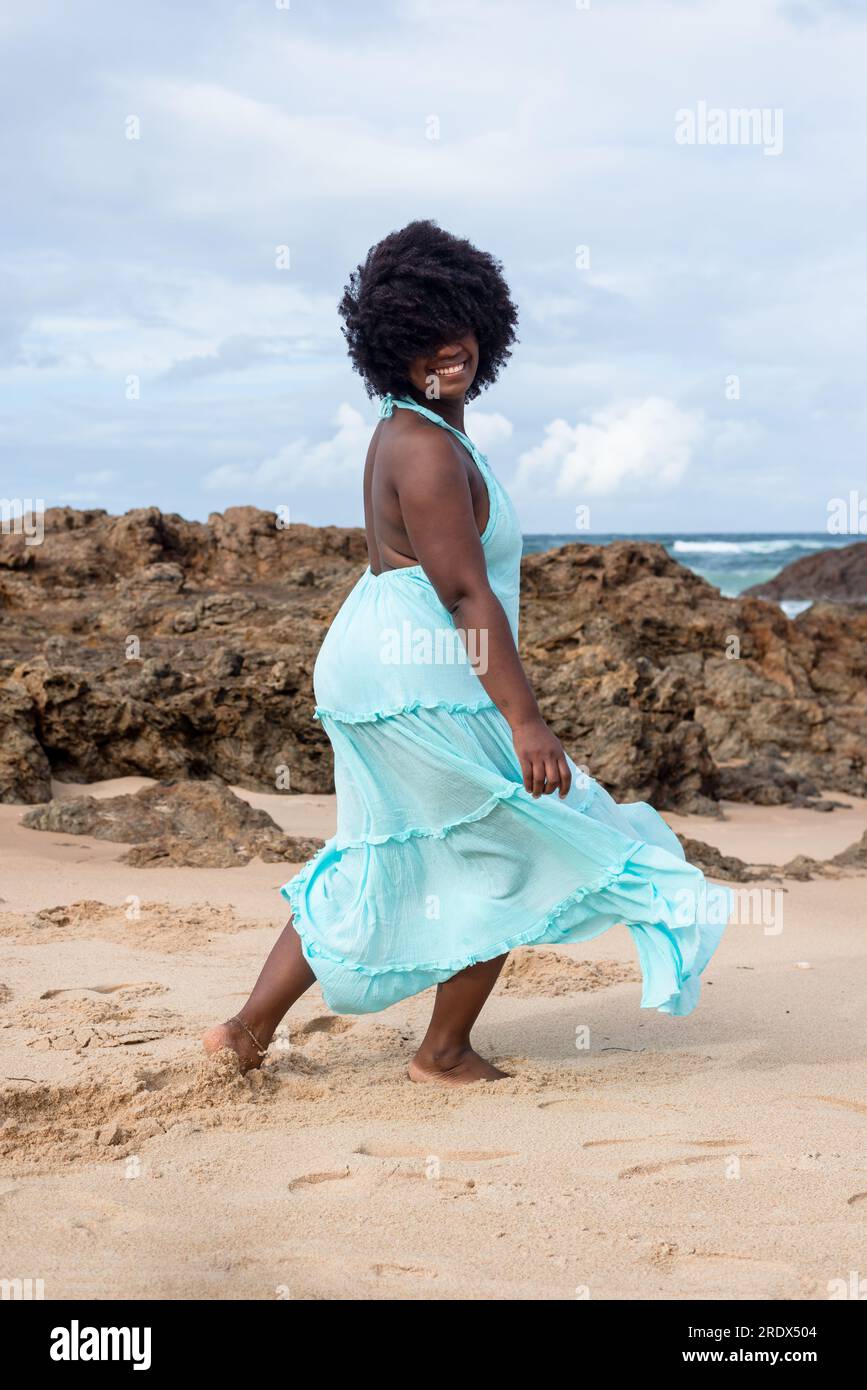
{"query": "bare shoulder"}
(419, 455)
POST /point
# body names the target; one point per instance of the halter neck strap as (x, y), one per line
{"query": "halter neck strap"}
(386, 409)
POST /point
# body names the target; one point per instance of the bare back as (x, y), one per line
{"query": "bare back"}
(399, 445)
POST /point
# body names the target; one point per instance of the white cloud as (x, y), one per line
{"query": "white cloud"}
(736, 438)
(267, 127)
(488, 430)
(650, 442)
(178, 326)
(337, 462)
(328, 155)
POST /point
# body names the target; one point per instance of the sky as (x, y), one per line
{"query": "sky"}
(189, 185)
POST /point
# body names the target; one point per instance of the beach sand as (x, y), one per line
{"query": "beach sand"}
(721, 1155)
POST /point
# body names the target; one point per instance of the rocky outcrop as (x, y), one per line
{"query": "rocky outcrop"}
(768, 781)
(838, 575)
(655, 681)
(711, 861)
(146, 644)
(715, 864)
(201, 824)
(150, 645)
(855, 857)
(25, 774)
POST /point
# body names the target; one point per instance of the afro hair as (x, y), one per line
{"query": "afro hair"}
(418, 289)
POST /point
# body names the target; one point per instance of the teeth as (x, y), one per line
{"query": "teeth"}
(450, 371)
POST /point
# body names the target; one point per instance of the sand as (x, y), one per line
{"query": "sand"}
(721, 1155)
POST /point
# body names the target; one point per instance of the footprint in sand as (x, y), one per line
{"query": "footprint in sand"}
(138, 986)
(718, 1270)
(585, 1104)
(458, 1187)
(444, 1155)
(103, 1035)
(637, 1139)
(331, 1024)
(643, 1169)
(99, 1217)
(415, 1271)
(856, 1199)
(652, 1138)
(858, 1106)
(312, 1179)
(714, 1143)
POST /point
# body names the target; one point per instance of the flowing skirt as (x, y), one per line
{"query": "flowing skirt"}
(442, 859)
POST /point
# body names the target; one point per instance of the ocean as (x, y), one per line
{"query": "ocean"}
(731, 562)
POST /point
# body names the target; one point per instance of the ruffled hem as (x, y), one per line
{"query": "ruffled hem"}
(509, 871)
(292, 891)
(423, 832)
(450, 706)
(672, 959)
(420, 774)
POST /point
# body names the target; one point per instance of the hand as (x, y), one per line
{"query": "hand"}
(543, 761)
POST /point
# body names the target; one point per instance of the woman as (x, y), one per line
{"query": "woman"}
(463, 829)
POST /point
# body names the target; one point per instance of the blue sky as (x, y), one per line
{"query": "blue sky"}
(310, 127)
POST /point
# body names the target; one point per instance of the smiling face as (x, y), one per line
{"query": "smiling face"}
(447, 373)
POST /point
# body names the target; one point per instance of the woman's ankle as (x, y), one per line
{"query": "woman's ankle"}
(262, 1028)
(444, 1052)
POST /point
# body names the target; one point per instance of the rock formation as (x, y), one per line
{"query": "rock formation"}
(147, 644)
(657, 683)
(851, 862)
(202, 824)
(838, 575)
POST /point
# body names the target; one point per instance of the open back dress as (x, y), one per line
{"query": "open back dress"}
(441, 857)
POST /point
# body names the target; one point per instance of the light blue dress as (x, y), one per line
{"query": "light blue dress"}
(441, 858)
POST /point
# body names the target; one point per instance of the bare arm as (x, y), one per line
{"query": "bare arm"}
(437, 509)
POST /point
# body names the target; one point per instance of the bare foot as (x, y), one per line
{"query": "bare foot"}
(233, 1036)
(459, 1068)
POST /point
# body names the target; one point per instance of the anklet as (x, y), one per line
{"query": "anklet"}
(250, 1034)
